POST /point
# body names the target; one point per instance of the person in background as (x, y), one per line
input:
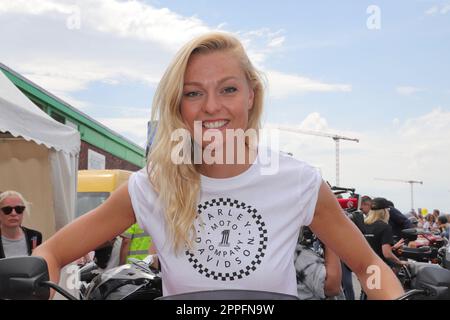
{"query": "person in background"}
(366, 203)
(436, 213)
(443, 226)
(430, 223)
(358, 219)
(318, 275)
(15, 240)
(420, 221)
(398, 221)
(379, 232)
(136, 244)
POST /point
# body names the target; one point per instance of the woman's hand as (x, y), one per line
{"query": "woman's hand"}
(399, 244)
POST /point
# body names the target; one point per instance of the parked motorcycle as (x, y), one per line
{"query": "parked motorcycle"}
(27, 278)
(425, 281)
(135, 281)
(423, 246)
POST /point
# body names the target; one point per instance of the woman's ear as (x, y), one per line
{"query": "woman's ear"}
(251, 98)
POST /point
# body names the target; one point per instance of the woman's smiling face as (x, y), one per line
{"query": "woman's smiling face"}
(216, 92)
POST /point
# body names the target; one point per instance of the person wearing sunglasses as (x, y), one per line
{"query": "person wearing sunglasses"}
(15, 240)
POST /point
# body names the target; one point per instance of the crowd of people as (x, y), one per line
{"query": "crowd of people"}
(382, 225)
(434, 222)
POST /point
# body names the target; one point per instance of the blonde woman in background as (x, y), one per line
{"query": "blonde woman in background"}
(15, 240)
(378, 232)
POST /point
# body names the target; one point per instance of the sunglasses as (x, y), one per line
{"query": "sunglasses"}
(8, 209)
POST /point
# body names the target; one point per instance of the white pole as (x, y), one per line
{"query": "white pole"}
(337, 163)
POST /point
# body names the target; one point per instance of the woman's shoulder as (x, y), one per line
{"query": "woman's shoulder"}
(140, 174)
(288, 161)
(140, 186)
(140, 178)
(31, 232)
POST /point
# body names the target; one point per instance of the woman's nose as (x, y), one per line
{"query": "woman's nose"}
(212, 104)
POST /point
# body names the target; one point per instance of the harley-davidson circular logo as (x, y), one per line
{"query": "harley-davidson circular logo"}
(231, 240)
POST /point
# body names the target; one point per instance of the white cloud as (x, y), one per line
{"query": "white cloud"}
(445, 9)
(118, 41)
(36, 7)
(77, 74)
(314, 122)
(395, 122)
(414, 149)
(129, 19)
(282, 85)
(430, 125)
(438, 9)
(407, 90)
(276, 42)
(432, 11)
(97, 51)
(261, 43)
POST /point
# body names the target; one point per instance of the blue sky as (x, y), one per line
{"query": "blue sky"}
(327, 71)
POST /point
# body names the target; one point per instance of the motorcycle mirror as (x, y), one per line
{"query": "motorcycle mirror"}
(21, 278)
(412, 232)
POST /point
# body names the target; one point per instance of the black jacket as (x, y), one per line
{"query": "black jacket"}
(30, 235)
(358, 218)
(398, 221)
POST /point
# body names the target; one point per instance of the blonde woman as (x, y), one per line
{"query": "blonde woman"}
(15, 240)
(378, 232)
(219, 224)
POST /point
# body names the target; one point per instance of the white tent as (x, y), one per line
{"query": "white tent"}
(38, 158)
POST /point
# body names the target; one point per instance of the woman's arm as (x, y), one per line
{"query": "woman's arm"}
(333, 273)
(152, 251)
(124, 249)
(89, 231)
(388, 254)
(342, 236)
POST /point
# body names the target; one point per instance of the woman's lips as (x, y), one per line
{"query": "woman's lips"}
(215, 124)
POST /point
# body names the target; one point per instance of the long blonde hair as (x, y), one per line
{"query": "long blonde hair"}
(178, 185)
(375, 215)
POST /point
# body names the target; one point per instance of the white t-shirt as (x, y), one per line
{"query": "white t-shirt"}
(247, 233)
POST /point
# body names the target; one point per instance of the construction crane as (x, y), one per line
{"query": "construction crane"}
(411, 182)
(335, 137)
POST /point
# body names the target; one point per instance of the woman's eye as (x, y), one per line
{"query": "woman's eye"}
(229, 90)
(192, 94)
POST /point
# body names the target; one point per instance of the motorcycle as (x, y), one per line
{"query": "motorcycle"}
(425, 281)
(423, 246)
(27, 278)
(135, 281)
